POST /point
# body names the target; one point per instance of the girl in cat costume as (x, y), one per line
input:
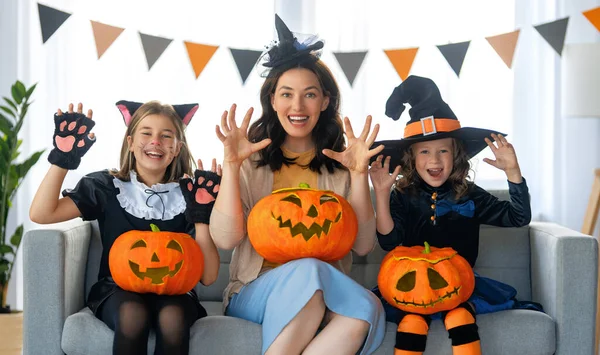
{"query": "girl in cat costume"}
(145, 190)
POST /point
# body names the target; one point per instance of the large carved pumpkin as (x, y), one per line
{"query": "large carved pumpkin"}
(301, 222)
(425, 280)
(164, 263)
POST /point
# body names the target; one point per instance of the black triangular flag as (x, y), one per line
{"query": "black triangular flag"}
(153, 47)
(455, 54)
(554, 33)
(350, 63)
(50, 20)
(245, 60)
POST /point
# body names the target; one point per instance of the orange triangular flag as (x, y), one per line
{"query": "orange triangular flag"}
(402, 60)
(199, 55)
(104, 35)
(594, 17)
(505, 45)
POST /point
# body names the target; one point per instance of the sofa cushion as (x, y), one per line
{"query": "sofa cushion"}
(509, 332)
(520, 332)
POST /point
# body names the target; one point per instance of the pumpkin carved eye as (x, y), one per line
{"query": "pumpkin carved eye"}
(407, 282)
(139, 244)
(293, 198)
(327, 198)
(436, 281)
(175, 246)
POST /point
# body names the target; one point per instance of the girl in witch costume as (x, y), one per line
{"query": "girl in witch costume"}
(297, 139)
(145, 190)
(434, 202)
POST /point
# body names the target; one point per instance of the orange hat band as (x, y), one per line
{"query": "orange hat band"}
(430, 125)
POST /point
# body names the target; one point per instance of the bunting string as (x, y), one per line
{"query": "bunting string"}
(402, 59)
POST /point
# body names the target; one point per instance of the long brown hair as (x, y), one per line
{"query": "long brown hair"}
(181, 164)
(327, 133)
(457, 179)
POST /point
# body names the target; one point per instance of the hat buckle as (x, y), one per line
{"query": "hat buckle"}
(433, 127)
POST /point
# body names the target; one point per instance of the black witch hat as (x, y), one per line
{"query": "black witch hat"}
(128, 108)
(430, 118)
(287, 49)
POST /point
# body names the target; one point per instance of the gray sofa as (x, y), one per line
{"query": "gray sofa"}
(545, 262)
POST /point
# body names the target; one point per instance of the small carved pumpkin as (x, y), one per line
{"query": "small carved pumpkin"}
(164, 263)
(301, 222)
(425, 280)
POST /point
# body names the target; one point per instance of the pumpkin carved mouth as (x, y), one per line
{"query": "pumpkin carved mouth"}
(156, 274)
(315, 229)
(431, 303)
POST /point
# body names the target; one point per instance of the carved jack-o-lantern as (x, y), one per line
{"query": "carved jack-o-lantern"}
(158, 262)
(425, 280)
(302, 222)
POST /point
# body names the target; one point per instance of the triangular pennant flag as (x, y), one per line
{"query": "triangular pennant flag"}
(455, 54)
(594, 17)
(505, 45)
(199, 55)
(153, 47)
(350, 63)
(50, 20)
(402, 60)
(104, 35)
(554, 33)
(245, 60)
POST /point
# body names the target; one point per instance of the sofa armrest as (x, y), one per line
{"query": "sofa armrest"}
(54, 262)
(564, 274)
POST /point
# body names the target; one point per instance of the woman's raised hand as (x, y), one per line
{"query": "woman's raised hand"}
(235, 139)
(357, 154)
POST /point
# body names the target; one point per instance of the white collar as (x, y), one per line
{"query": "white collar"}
(159, 201)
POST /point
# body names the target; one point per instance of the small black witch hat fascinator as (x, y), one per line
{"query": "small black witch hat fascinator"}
(288, 49)
(128, 108)
(430, 118)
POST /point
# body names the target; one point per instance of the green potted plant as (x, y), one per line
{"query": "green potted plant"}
(12, 114)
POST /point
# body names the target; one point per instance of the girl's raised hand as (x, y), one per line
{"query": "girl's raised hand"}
(506, 157)
(235, 139)
(380, 174)
(72, 137)
(357, 154)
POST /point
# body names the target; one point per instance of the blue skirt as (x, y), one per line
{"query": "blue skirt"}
(276, 297)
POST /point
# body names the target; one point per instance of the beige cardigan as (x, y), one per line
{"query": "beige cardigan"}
(256, 183)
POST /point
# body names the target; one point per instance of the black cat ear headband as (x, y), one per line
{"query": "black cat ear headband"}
(128, 108)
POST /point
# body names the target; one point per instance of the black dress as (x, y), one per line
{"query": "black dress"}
(432, 215)
(121, 206)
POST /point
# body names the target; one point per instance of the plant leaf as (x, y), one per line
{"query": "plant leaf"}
(5, 249)
(24, 167)
(21, 88)
(4, 268)
(15, 240)
(30, 91)
(4, 150)
(7, 110)
(11, 104)
(16, 94)
(5, 125)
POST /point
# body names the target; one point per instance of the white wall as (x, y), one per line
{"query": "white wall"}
(579, 151)
(8, 75)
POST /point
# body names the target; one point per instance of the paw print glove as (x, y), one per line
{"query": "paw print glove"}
(71, 139)
(200, 195)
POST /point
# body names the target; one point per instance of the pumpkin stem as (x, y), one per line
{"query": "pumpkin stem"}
(304, 185)
(427, 249)
(154, 227)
